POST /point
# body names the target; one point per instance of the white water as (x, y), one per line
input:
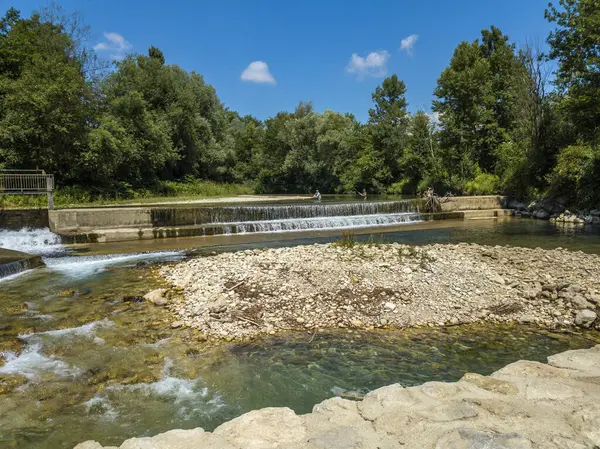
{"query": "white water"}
(32, 364)
(85, 330)
(31, 241)
(341, 222)
(85, 266)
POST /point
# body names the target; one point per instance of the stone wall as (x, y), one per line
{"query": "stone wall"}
(23, 218)
(524, 405)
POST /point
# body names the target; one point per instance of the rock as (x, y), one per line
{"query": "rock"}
(541, 214)
(176, 324)
(300, 320)
(579, 302)
(389, 306)
(157, 296)
(585, 318)
(490, 384)
(494, 277)
(356, 322)
(595, 298)
(262, 429)
(407, 270)
(467, 438)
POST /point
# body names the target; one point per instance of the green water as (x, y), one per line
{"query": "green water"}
(82, 358)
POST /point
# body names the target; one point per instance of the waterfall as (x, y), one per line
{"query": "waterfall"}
(11, 269)
(302, 217)
(242, 214)
(31, 241)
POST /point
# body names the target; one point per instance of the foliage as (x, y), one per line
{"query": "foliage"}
(575, 44)
(145, 127)
(576, 176)
(483, 184)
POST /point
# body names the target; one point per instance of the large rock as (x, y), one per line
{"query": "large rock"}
(476, 439)
(264, 429)
(157, 296)
(585, 318)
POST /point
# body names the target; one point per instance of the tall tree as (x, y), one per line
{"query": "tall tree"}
(575, 44)
(45, 100)
(388, 121)
(476, 99)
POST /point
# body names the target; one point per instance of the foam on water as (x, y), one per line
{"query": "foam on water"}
(86, 330)
(84, 266)
(31, 241)
(31, 363)
(341, 222)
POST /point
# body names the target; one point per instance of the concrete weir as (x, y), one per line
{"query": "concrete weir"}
(164, 221)
(14, 262)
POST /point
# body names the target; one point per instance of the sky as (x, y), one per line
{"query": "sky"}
(264, 56)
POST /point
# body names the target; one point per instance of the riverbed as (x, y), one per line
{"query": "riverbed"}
(83, 357)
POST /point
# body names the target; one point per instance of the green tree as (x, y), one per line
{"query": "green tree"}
(388, 121)
(575, 44)
(46, 103)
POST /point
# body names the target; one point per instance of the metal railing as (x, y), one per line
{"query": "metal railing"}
(27, 182)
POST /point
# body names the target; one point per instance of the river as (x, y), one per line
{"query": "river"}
(83, 358)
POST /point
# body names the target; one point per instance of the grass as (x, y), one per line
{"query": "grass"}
(165, 192)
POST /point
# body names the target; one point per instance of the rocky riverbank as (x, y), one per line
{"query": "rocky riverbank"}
(524, 405)
(350, 285)
(554, 211)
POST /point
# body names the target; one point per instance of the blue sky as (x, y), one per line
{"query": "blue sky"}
(307, 46)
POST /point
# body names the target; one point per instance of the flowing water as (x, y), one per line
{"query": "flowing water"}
(83, 357)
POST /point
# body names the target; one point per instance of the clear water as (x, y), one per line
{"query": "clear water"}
(82, 359)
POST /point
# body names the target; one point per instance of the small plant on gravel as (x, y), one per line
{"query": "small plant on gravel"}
(347, 241)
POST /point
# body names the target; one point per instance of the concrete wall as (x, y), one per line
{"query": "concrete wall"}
(159, 222)
(23, 218)
(474, 203)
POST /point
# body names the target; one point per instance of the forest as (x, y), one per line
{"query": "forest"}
(508, 118)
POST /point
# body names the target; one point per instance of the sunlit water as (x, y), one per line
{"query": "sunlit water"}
(82, 358)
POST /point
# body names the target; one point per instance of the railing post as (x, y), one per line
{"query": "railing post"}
(50, 191)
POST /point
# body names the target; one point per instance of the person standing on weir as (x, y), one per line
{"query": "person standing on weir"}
(363, 194)
(317, 196)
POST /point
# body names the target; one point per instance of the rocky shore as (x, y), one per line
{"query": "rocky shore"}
(361, 286)
(524, 405)
(553, 210)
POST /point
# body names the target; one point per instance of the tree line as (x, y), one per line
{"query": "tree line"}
(502, 122)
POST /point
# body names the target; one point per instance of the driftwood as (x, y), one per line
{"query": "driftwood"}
(433, 202)
(350, 396)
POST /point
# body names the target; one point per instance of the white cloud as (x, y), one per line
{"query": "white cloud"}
(408, 43)
(116, 44)
(258, 72)
(375, 64)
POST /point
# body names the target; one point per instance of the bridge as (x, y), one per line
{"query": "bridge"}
(27, 182)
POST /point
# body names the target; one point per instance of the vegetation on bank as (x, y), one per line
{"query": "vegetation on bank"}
(141, 127)
(168, 191)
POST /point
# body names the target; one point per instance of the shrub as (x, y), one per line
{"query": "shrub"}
(483, 184)
(575, 177)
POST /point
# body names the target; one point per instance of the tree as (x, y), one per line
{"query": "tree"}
(575, 43)
(388, 121)
(46, 103)
(476, 100)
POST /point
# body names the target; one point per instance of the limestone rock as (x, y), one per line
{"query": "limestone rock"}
(263, 429)
(467, 438)
(490, 384)
(157, 296)
(585, 318)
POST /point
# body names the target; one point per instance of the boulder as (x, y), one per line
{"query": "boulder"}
(579, 303)
(585, 318)
(270, 427)
(157, 296)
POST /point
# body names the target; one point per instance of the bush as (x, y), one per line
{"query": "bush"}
(575, 177)
(483, 184)
(401, 187)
